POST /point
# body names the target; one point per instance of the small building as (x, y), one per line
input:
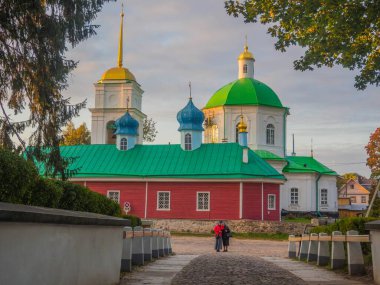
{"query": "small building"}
(358, 195)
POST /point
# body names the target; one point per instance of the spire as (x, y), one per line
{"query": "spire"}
(190, 90)
(120, 53)
(246, 44)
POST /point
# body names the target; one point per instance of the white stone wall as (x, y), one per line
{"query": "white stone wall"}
(305, 182)
(256, 118)
(35, 253)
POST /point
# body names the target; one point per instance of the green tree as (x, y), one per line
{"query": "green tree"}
(340, 32)
(149, 130)
(341, 180)
(75, 136)
(34, 37)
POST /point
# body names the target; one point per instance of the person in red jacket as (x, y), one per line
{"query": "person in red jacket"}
(218, 229)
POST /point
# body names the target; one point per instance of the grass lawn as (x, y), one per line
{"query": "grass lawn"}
(260, 236)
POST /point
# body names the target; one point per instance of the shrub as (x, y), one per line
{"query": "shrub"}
(344, 225)
(16, 178)
(135, 221)
(46, 193)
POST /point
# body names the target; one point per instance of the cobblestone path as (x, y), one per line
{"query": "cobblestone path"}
(227, 268)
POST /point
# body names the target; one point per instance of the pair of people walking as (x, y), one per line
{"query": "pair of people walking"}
(222, 236)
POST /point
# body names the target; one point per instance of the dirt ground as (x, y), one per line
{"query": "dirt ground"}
(204, 245)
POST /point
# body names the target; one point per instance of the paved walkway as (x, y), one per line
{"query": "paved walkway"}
(160, 271)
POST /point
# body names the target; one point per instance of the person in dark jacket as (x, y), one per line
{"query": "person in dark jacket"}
(226, 234)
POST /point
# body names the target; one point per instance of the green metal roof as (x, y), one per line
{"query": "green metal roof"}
(245, 91)
(306, 164)
(267, 155)
(220, 161)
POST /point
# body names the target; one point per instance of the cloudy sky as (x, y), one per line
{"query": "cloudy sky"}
(168, 43)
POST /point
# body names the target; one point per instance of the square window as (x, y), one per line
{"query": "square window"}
(203, 201)
(364, 200)
(294, 196)
(353, 199)
(323, 197)
(114, 195)
(163, 200)
(271, 202)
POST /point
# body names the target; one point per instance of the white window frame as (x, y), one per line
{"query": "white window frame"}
(298, 196)
(197, 199)
(123, 146)
(270, 133)
(353, 199)
(274, 202)
(188, 141)
(324, 202)
(364, 198)
(158, 196)
(114, 191)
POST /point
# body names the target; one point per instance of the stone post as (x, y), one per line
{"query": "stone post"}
(170, 243)
(166, 243)
(338, 256)
(355, 256)
(155, 243)
(323, 250)
(374, 228)
(292, 248)
(137, 246)
(304, 247)
(147, 241)
(126, 257)
(312, 254)
(161, 243)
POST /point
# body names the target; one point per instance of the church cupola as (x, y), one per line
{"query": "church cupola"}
(126, 132)
(190, 121)
(243, 134)
(245, 61)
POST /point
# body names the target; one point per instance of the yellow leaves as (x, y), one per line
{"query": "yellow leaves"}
(76, 136)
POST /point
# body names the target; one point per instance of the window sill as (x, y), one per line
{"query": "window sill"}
(163, 210)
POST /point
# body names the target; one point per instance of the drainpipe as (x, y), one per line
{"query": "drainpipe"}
(316, 194)
(284, 130)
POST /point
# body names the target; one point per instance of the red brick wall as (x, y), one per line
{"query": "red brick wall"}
(252, 201)
(224, 200)
(133, 192)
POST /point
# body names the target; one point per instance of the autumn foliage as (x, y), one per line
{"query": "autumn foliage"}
(373, 151)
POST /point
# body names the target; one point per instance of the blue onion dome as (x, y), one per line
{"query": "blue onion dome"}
(190, 118)
(126, 125)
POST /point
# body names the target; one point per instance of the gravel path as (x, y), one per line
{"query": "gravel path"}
(204, 245)
(229, 268)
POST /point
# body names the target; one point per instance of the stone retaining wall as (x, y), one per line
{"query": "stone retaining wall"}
(241, 226)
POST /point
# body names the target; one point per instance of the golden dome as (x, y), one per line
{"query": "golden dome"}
(117, 73)
(246, 54)
(242, 127)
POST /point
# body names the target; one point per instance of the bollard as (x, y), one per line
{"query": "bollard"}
(312, 254)
(292, 247)
(323, 250)
(161, 243)
(337, 251)
(147, 241)
(126, 256)
(166, 243)
(354, 255)
(155, 243)
(304, 247)
(170, 243)
(137, 246)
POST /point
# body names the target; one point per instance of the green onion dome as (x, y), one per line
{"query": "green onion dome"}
(126, 125)
(244, 91)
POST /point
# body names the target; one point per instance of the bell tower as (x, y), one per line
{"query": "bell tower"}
(116, 91)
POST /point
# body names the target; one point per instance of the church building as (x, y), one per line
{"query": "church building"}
(231, 162)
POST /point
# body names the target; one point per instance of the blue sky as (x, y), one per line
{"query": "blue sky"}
(168, 43)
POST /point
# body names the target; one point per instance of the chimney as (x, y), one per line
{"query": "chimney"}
(245, 155)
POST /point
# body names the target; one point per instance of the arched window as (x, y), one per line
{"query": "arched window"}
(188, 142)
(110, 129)
(215, 134)
(245, 68)
(123, 144)
(237, 133)
(270, 134)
